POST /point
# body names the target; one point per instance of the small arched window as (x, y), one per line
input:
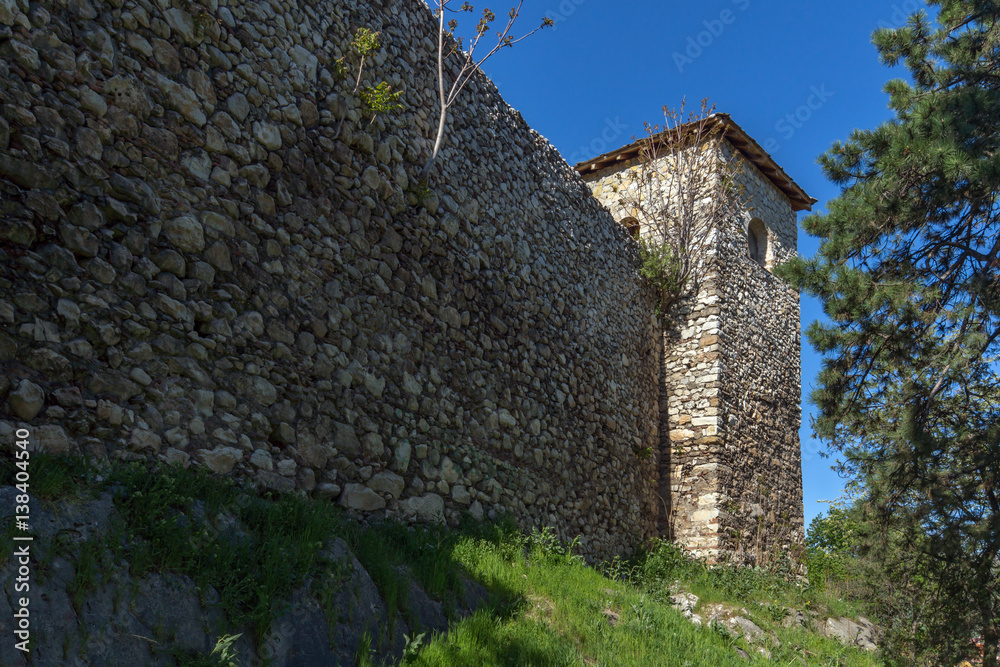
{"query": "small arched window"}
(632, 225)
(757, 242)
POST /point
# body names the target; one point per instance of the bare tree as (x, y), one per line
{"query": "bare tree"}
(471, 62)
(687, 188)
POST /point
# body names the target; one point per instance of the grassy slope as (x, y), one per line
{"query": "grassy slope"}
(561, 612)
(546, 607)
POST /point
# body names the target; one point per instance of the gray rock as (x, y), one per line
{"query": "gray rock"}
(92, 101)
(461, 495)
(268, 135)
(449, 471)
(428, 508)
(218, 222)
(128, 93)
(359, 497)
(262, 460)
(27, 174)
(506, 418)
(8, 12)
(86, 215)
(345, 439)
(171, 602)
(197, 164)
(328, 490)
(684, 602)
(861, 634)
(238, 106)
(373, 445)
(357, 609)
(142, 440)
(276, 482)
(401, 457)
(181, 24)
(375, 385)
(305, 61)
(217, 255)
(27, 400)
(186, 233)
(427, 614)
(221, 459)
(53, 439)
(176, 457)
(181, 98)
(312, 451)
(300, 637)
(261, 391)
(284, 433)
(387, 482)
(794, 618)
(746, 628)
(9, 655)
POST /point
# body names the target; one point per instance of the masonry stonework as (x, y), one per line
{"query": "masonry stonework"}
(728, 458)
(197, 268)
(200, 265)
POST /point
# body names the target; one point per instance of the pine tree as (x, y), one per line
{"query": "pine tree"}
(908, 271)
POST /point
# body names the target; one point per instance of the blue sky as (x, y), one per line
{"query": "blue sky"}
(796, 75)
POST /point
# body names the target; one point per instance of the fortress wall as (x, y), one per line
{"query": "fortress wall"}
(197, 268)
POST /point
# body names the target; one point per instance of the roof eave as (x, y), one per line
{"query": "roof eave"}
(740, 140)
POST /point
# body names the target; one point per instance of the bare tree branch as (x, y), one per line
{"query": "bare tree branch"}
(687, 188)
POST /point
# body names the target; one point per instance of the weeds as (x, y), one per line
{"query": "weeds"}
(226, 652)
(413, 646)
(363, 654)
(377, 99)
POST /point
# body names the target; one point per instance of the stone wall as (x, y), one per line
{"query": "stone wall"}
(728, 460)
(196, 267)
(761, 511)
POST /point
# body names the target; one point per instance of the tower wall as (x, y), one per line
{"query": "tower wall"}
(760, 496)
(730, 469)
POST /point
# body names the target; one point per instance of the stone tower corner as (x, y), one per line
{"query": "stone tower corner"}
(729, 465)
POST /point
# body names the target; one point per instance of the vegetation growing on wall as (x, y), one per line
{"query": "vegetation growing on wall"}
(687, 189)
(377, 99)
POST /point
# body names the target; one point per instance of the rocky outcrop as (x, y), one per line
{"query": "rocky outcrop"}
(734, 621)
(861, 633)
(159, 618)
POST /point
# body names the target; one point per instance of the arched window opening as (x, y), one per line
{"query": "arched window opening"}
(757, 242)
(632, 225)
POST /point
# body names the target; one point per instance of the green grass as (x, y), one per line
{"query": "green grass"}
(91, 569)
(546, 607)
(554, 610)
(664, 563)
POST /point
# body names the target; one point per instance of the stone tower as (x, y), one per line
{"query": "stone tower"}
(729, 464)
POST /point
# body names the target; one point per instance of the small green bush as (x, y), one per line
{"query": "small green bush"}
(662, 267)
(380, 99)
